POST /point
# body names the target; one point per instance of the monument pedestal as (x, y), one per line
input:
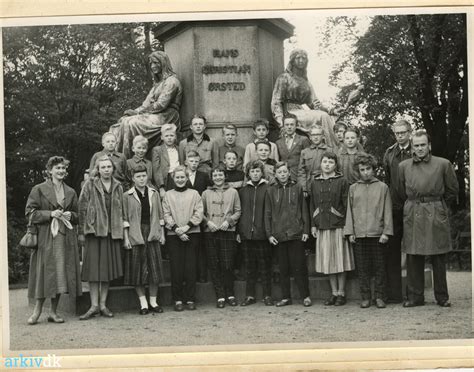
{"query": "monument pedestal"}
(227, 69)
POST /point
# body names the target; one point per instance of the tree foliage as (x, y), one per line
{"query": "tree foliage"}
(63, 87)
(413, 66)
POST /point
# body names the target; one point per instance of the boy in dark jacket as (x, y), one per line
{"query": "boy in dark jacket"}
(291, 144)
(287, 228)
(251, 233)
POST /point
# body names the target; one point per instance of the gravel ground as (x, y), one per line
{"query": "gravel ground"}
(256, 324)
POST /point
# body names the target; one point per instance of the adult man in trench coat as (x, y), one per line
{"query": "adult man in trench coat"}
(428, 185)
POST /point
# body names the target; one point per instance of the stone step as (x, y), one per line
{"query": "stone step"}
(167, 270)
(123, 298)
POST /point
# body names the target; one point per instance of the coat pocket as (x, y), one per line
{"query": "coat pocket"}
(336, 212)
(91, 215)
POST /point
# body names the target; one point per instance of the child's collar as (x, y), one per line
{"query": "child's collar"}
(204, 137)
(374, 179)
(262, 180)
(319, 176)
(225, 186)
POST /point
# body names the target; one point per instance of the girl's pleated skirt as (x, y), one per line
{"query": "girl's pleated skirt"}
(333, 252)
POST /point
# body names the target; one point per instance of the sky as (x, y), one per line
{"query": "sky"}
(309, 36)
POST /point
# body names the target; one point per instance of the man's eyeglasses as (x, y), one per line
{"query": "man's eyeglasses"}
(400, 133)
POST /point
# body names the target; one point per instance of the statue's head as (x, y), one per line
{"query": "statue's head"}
(161, 58)
(298, 58)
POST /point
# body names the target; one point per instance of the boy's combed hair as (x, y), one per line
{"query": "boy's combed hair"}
(280, 164)
(218, 168)
(364, 159)
(420, 133)
(168, 128)
(339, 125)
(192, 154)
(260, 122)
(289, 115)
(329, 155)
(199, 116)
(353, 130)
(254, 164)
(229, 127)
(95, 172)
(138, 169)
(402, 122)
(106, 134)
(267, 143)
(140, 140)
(180, 168)
(231, 152)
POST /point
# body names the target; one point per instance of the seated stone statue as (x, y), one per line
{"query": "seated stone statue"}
(292, 90)
(161, 106)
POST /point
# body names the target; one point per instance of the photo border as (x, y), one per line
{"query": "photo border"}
(345, 355)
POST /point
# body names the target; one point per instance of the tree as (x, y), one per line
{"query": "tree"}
(416, 66)
(64, 86)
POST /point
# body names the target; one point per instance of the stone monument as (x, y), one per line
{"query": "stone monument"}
(227, 69)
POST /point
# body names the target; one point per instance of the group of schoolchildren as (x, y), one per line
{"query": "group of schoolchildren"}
(195, 202)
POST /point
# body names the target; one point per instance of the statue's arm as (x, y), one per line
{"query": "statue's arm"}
(278, 98)
(166, 96)
(315, 103)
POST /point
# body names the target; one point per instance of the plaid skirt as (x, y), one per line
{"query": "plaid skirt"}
(333, 252)
(143, 263)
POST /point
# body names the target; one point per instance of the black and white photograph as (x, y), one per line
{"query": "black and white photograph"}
(241, 181)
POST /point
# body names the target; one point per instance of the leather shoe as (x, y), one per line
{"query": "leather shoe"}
(248, 301)
(190, 305)
(220, 304)
(307, 302)
(143, 311)
(231, 301)
(32, 320)
(106, 312)
(283, 302)
(268, 301)
(444, 303)
(340, 300)
(178, 306)
(365, 304)
(380, 303)
(330, 301)
(89, 314)
(55, 319)
(156, 309)
(412, 303)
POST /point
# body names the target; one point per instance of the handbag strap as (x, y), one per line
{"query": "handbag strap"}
(30, 222)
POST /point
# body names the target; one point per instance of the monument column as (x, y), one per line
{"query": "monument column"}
(227, 69)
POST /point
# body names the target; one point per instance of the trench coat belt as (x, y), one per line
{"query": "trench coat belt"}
(426, 199)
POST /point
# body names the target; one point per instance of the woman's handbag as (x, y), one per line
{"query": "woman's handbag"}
(30, 239)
